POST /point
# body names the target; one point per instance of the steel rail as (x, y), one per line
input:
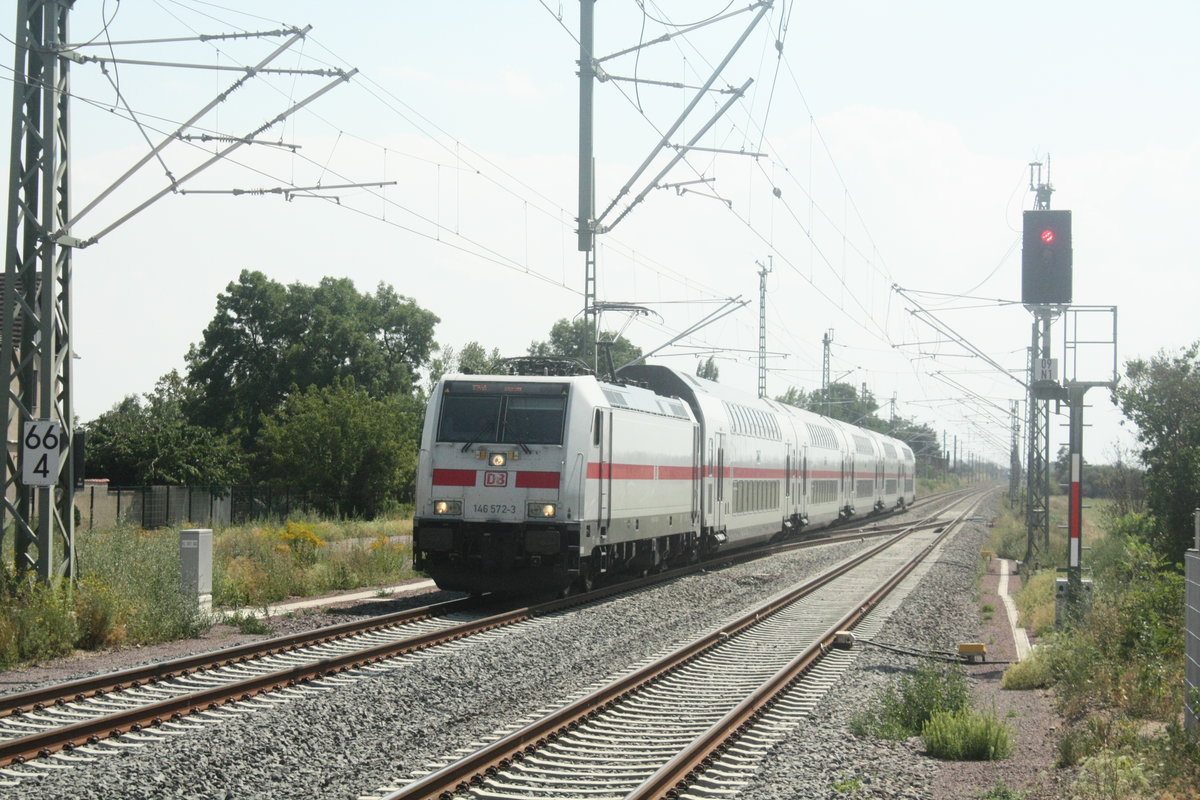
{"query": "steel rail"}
(17, 751)
(19, 703)
(44, 743)
(675, 776)
(37, 699)
(473, 768)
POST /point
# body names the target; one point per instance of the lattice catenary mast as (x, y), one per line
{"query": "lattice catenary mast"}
(36, 350)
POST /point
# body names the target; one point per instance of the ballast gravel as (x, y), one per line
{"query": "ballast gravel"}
(377, 729)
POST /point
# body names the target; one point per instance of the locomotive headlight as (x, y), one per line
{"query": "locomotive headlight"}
(541, 509)
(498, 459)
(447, 507)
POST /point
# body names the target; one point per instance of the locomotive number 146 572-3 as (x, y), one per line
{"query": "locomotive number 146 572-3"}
(495, 508)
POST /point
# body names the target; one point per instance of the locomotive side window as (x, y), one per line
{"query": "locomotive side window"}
(467, 418)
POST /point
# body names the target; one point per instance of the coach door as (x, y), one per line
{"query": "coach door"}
(804, 478)
(697, 472)
(602, 437)
(718, 521)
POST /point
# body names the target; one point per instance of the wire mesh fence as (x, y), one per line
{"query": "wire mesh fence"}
(100, 505)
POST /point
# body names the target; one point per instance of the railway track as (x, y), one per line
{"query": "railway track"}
(657, 731)
(71, 721)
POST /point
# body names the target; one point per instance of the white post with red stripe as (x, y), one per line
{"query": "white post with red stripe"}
(1075, 395)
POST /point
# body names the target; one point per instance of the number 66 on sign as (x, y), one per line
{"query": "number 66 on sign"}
(41, 446)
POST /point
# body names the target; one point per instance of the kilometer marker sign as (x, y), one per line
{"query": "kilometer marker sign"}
(41, 448)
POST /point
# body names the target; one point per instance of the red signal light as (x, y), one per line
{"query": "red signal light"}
(1048, 235)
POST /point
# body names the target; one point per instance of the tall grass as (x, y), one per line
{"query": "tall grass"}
(1121, 666)
(128, 589)
(128, 593)
(254, 566)
(902, 711)
(966, 736)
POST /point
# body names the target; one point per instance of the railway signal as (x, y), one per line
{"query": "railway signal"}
(1046, 258)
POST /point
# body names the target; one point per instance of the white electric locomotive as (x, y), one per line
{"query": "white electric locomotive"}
(532, 483)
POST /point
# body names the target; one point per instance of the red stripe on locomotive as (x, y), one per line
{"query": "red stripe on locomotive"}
(538, 480)
(454, 477)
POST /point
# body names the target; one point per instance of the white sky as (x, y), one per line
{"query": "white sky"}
(898, 136)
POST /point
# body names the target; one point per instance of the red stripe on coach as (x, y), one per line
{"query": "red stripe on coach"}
(624, 472)
(676, 473)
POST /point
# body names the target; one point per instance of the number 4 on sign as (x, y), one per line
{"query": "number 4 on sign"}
(41, 444)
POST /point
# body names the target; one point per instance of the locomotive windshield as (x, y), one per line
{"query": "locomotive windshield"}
(502, 413)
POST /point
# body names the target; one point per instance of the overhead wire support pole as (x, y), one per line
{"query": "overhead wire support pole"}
(178, 132)
(174, 187)
(826, 341)
(35, 343)
(587, 188)
(731, 305)
(683, 115)
(929, 319)
(680, 154)
(203, 37)
(763, 272)
(135, 62)
(666, 37)
(289, 190)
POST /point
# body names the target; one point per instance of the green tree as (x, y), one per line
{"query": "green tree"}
(472, 359)
(567, 339)
(859, 409)
(708, 369)
(844, 403)
(267, 338)
(1162, 398)
(140, 442)
(355, 453)
(921, 439)
(794, 396)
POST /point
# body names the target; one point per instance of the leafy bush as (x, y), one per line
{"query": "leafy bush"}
(902, 711)
(1002, 791)
(1177, 759)
(301, 541)
(1007, 537)
(1108, 556)
(130, 590)
(248, 623)
(1035, 603)
(1110, 775)
(262, 565)
(1128, 653)
(36, 621)
(1032, 673)
(100, 615)
(1070, 749)
(966, 735)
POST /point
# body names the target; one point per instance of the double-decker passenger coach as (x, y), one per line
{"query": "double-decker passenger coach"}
(551, 481)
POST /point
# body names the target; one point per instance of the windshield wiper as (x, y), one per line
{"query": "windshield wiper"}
(475, 438)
